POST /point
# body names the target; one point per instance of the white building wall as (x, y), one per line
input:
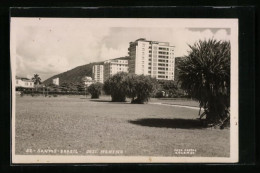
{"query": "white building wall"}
(56, 81)
(114, 66)
(24, 83)
(152, 58)
(98, 73)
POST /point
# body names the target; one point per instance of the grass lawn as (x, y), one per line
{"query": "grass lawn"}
(78, 123)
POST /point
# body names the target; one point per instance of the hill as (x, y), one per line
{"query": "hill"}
(74, 75)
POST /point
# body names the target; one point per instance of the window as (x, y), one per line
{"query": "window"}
(159, 76)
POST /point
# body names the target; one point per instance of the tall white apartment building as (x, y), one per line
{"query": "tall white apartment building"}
(98, 73)
(152, 58)
(114, 66)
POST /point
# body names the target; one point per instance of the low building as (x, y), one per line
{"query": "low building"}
(56, 81)
(98, 73)
(88, 81)
(23, 83)
(114, 66)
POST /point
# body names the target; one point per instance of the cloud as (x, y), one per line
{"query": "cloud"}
(55, 49)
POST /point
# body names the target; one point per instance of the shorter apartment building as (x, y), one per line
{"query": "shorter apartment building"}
(98, 73)
(23, 82)
(113, 66)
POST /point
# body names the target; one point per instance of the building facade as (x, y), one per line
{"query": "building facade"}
(152, 58)
(98, 73)
(115, 66)
(56, 81)
(24, 83)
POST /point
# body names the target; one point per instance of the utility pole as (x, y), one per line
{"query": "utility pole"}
(85, 91)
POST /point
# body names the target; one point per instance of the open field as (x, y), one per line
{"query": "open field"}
(78, 123)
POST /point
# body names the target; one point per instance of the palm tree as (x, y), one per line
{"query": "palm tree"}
(37, 80)
(205, 75)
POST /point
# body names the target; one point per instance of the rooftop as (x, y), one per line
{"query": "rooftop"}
(152, 42)
(23, 78)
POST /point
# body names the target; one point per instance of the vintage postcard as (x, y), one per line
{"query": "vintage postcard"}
(124, 90)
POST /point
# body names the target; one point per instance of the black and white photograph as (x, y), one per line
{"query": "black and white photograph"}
(124, 90)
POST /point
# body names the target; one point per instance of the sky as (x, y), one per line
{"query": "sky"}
(51, 47)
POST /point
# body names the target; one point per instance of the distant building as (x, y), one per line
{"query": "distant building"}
(98, 73)
(152, 58)
(23, 82)
(56, 81)
(114, 66)
(88, 81)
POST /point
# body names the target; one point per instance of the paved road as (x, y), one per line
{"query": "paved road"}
(175, 105)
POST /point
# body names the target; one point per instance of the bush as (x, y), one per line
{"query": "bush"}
(116, 87)
(95, 90)
(159, 94)
(140, 88)
(137, 87)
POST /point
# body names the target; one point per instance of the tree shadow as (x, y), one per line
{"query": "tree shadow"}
(169, 123)
(98, 100)
(107, 101)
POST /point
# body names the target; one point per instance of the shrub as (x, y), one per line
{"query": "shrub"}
(159, 94)
(140, 88)
(137, 87)
(95, 90)
(116, 87)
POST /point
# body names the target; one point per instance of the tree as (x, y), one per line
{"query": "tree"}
(53, 87)
(64, 86)
(205, 75)
(95, 90)
(37, 80)
(140, 88)
(137, 87)
(116, 87)
(169, 87)
(80, 86)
